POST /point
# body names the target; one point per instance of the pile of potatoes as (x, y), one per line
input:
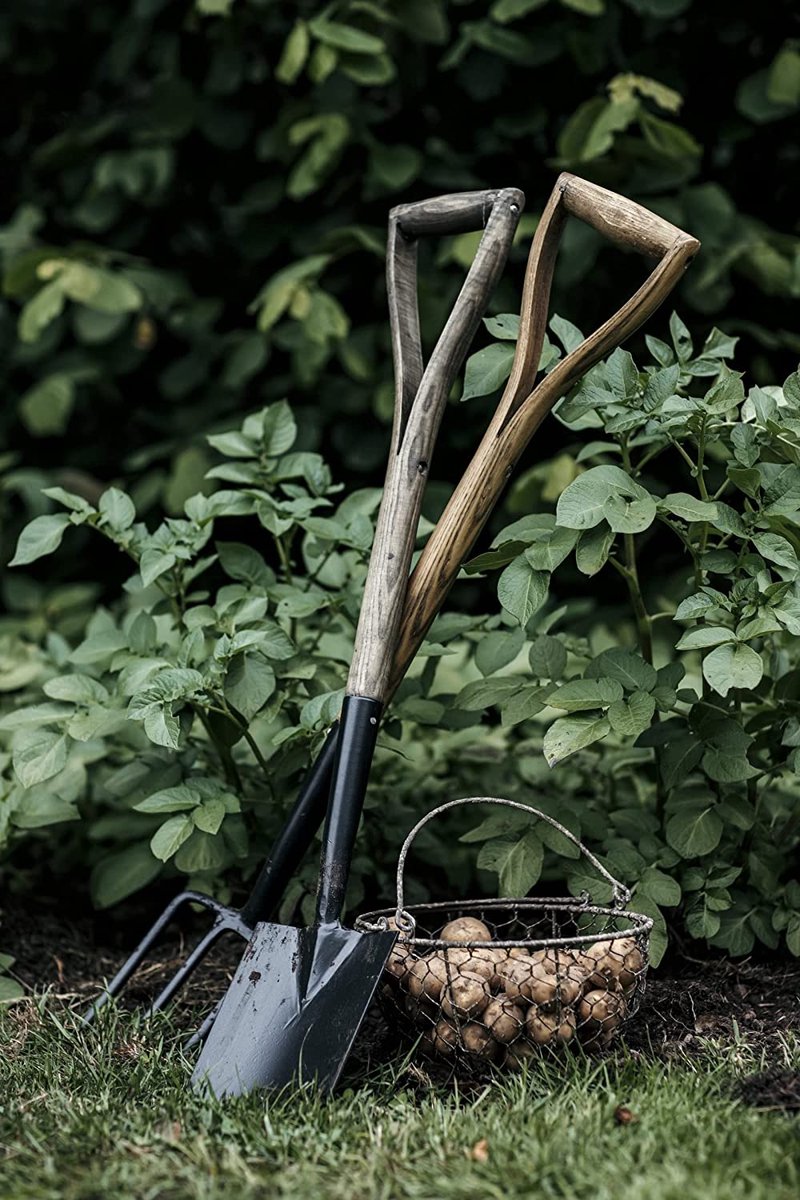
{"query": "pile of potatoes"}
(504, 1004)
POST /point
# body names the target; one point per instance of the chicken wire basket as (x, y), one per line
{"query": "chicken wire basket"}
(500, 981)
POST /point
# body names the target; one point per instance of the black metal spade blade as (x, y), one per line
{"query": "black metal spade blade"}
(300, 995)
(293, 1010)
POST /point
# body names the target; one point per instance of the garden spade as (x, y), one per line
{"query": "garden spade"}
(497, 213)
(300, 995)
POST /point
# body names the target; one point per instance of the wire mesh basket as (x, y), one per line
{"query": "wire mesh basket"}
(499, 981)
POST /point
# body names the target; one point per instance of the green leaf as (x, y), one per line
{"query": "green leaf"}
(521, 590)
(582, 694)
(10, 990)
(550, 550)
(498, 649)
(40, 756)
(245, 564)
(209, 816)
(548, 657)
(483, 693)
(168, 839)
(569, 734)
(487, 370)
(121, 874)
(279, 429)
(522, 704)
(42, 536)
(631, 717)
(510, 10)
(777, 549)
(568, 334)
(202, 852)
(695, 830)
(505, 326)
(35, 714)
(294, 54)
(606, 493)
(249, 683)
(518, 863)
(41, 311)
(593, 549)
(678, 759)
(705, 635)
(169, 800)
(733, 666)
(163, 728)
(345, 37)
(153, 564)
(79, 689)
(118, 509)
(46, 407)
(662, 889)
(629, 668)
(688, 508)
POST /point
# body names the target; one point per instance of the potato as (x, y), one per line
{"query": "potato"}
(400, 961)
(567, 1026)
(427, 977)
(504, 1019)
(423, 1011)
(474, 962)
(442, 1039)
(465, 929)
(465, 996)
(546, 1028)
(617, 959)
(527, 980)
(499, 959)
(600, 1014)
(515, 978)
(477, 1040)
(517, 1055)
(542, 1026)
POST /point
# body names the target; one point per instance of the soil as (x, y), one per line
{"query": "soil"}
(689, 1003)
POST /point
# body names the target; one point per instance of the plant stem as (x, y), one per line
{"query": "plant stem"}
(230, 770)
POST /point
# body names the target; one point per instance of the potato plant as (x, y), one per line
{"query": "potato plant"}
(638, 678)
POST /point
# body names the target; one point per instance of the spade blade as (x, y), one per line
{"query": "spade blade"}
(294, 1008)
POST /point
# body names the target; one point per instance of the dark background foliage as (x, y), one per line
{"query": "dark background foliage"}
(196, 152)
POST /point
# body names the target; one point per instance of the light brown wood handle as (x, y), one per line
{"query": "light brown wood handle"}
(619, 219)
(524, 405)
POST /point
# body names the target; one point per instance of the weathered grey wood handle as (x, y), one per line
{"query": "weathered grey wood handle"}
(461, 212)
(618, 218)
(523, 406)
(421, 397)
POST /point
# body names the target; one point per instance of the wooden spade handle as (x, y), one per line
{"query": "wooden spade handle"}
(419, 405)
(523, 407)
(617, 218)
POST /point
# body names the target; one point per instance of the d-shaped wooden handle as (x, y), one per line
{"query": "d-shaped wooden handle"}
(619, 219)
(523, 406)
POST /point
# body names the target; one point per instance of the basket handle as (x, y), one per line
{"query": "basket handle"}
(406, 923)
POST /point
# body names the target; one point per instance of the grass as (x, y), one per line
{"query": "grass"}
(107, 1113)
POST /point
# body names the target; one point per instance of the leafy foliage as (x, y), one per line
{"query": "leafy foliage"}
(681, 723)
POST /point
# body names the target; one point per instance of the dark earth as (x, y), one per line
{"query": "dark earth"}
(688, 1003)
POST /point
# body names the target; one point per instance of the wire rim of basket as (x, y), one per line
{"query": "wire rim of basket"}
(641, 926)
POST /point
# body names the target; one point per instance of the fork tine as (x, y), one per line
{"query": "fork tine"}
(134, 960)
